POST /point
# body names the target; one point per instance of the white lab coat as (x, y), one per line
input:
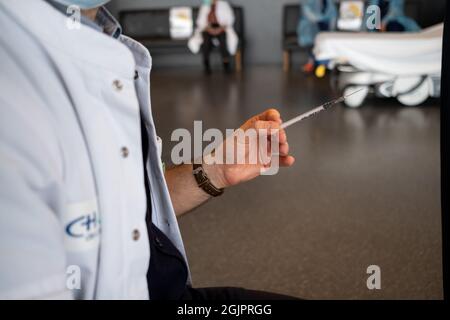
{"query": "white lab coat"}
(225, 17)
(70, 198)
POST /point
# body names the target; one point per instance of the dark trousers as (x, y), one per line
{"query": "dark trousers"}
(208, 46)
(230, 293)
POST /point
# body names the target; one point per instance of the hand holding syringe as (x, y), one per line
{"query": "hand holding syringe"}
(314, 111)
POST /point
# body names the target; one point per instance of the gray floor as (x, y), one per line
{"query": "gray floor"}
(365, 190)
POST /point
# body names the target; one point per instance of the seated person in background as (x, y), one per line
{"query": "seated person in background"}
(315, 16)
(393, 16)
(215, 26)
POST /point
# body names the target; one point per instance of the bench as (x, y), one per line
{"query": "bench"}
(425, 14)
(151, 27)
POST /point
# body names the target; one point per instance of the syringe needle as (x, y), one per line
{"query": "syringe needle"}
(316, 110)
(350, 94)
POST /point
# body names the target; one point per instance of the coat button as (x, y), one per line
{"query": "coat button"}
(125, 152)
(136, 234)
(158, 242)
(118, 85)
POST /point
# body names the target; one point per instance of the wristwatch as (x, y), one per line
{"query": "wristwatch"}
(203, 181)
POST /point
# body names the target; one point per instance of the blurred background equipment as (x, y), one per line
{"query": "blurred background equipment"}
(405, 66)
(351, 15)
(425, 13)
(181, 23)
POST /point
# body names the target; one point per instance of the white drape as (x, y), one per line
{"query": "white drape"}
(407, 53)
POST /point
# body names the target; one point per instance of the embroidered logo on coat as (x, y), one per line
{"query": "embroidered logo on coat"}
(82, 226)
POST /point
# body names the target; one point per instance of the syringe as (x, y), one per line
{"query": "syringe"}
(314, 111)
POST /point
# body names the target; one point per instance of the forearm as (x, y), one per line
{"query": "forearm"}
(184, 191)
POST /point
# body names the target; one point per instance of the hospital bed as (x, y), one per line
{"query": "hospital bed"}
(405, 66)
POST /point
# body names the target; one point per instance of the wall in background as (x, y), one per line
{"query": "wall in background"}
(263, 26)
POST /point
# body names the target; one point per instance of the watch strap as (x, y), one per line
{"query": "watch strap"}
(203, 181)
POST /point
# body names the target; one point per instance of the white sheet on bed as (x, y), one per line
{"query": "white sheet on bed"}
(415, 53)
